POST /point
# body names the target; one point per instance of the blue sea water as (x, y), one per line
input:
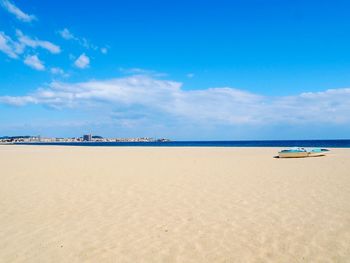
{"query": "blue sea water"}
(270, 143)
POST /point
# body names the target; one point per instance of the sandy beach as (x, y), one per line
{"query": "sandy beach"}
(114, 204)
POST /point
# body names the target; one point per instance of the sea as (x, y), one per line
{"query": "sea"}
(258, 143)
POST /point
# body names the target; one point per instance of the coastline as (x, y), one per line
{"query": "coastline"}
(335, 143)
(169, 204)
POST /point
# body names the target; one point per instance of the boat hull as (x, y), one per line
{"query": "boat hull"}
(302, 152)
(293, 154)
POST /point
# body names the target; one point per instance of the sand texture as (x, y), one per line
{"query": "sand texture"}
(92, 204)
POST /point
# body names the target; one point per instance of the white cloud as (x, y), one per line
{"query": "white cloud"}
(10, 47)
(58, 71)
(35, 43)
(34, 62)
(17, 101)
(82, 61)
(141, 71)
(86, 44)
(66, 34)
(20, 15)
(6, 46)
(14, 48)
(137, 71)
(190, 75)
(217, 106)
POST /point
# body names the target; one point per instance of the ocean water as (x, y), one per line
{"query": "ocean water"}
(270, 143)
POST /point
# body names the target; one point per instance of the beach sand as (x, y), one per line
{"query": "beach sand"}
(114, 204)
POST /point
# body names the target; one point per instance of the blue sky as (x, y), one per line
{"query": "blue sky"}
(179, 69)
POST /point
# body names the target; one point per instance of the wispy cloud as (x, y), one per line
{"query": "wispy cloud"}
(83, 61)
(5, 45)
(9, 47)
(17, 101)
(15, 49)
(20, 15)
(68, 35)
(35, 43)
(141, 71)
(34, 62)
(58, 71)
(222, 106)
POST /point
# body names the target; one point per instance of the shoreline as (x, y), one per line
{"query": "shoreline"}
(225, 144)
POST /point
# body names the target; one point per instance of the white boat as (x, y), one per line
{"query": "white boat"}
(293, 153)
(298, 152)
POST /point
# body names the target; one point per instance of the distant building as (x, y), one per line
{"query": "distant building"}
(87, 138)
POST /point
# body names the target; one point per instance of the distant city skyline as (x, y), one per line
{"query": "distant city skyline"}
(185, 70)
(75, 139)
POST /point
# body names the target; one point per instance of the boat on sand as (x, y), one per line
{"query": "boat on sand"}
(299, 152)
(317, 152)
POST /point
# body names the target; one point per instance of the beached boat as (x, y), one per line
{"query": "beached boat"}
(293, 153)
(317, 152)
(298, 152)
